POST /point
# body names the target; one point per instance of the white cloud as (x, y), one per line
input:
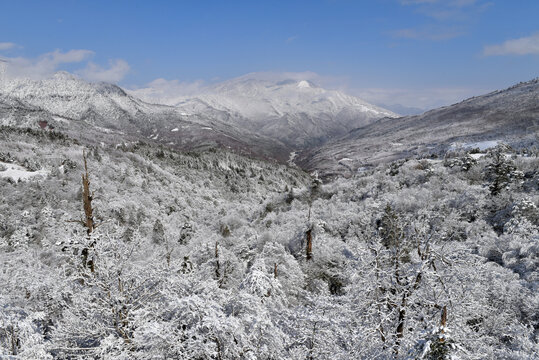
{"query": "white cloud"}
(429, 33)
(291, 39)
(117, 70)
(522, 46)
(7, 45)
(44, 65)
(47, 64)
(446, 18)
(429, 98)
(168, 92)
(418, 2)
(275, 76)
(441, 3)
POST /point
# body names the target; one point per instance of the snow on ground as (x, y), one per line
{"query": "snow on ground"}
(17, 172)
(482, 145)
(107, 131)
(293, 155)
(477, 156)
(60, 119)
(174, 130)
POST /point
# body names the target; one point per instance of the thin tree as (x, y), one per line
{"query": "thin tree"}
(88, 222)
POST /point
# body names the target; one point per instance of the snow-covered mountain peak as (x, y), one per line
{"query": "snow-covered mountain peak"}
(68, 96)
(64, 76)
(294, 111)
(254, 98)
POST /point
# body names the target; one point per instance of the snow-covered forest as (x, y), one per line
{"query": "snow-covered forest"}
(169, 255)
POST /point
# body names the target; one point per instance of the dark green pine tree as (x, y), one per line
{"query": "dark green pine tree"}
(499, 171)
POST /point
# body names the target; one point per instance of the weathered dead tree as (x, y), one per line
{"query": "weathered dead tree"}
(443, 322)
(275, 270)
(315, 187)
(309, 247)
(217, 263)
(87, 199)
(88, 222)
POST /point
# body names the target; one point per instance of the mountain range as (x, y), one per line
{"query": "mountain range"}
(331, 132)
(296, 112)
(251, 116)
(510, 116)
(196, 254)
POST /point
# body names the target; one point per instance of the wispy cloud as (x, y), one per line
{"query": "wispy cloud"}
(445, 19)
(418, 2)
(429, 33)
(115, 72)
(291, 39)
(168, 92)
(447, 9)
(428, 98)
(47, 64)
(7, 45)
(44, 65)
(171, 92)
(521, 46)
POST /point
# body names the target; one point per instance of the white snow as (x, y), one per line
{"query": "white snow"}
(482, 145)
(258, 100)
(68, 97)
(174, 130)
(60, 119)
(291, 158)
(17, 172)
(477, 156)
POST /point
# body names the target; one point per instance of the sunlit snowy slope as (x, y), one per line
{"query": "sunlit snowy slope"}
(510, 115)
(296, 112)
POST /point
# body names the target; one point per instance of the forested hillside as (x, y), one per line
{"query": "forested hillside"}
(217, 256)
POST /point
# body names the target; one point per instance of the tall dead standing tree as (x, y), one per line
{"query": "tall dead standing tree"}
(88, 222)
(309, 233)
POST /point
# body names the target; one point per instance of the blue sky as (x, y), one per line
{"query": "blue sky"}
(420, 53)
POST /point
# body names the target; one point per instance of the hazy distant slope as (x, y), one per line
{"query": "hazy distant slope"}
(296, 112)
(510, 115)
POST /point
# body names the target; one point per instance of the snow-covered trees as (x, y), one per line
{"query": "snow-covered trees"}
(501, 171)
(204, 256)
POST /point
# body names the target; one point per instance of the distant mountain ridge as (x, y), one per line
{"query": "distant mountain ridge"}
(105, 112)
(510, 115)
(332, 132)
(295, 112)
(262, 118)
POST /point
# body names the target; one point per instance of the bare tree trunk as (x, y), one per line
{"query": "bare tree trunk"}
(400, 323)
(217, 264)
(443, 322)
(88, 221)
(309, 248)
(87, 200)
